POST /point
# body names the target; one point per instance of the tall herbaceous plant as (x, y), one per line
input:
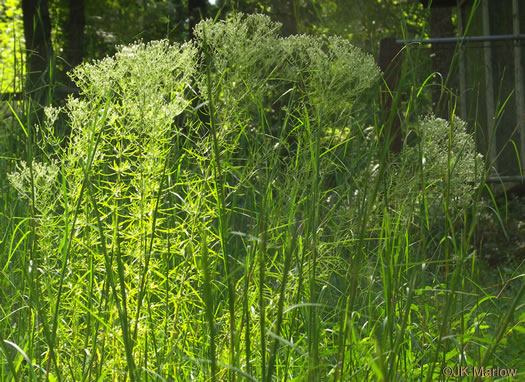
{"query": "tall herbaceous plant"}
(238, 238)
(286, 117)
(100, 196)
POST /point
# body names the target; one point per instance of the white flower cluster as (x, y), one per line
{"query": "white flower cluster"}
(452, 167)
(254, 67)
(121, 130)
(41, 180)
(131, 99)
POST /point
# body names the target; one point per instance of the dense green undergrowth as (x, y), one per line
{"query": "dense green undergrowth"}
(229, 210)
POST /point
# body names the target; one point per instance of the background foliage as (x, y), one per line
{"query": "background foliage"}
(112, 22)
(11, 46)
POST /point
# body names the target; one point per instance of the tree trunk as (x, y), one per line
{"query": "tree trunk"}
(197, 10)
(75, 33)
(37, 32)
(284, 12)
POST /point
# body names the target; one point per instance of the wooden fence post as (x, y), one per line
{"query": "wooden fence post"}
(390, 59)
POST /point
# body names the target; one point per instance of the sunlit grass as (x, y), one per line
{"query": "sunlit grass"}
(267, 235)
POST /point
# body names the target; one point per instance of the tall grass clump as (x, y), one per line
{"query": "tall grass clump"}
(243, 221)
(272, 97)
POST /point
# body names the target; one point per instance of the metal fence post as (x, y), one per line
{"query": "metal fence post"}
(518, 79)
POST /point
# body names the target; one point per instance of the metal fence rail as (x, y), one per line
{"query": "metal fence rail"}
(487, 73)
(455, 40)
